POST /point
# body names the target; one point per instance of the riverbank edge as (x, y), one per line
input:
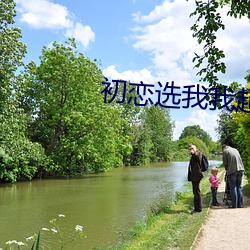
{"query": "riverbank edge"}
(171, 226)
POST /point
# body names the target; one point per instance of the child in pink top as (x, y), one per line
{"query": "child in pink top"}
(214, 186)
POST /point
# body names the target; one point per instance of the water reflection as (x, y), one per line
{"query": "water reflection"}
(105, 204)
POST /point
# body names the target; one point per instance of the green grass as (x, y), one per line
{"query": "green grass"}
(246, 188)
(170, 226)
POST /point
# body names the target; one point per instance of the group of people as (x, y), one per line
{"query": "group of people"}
(234, 167)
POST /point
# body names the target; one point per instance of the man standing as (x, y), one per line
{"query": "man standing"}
(195, 175)
(235, 170)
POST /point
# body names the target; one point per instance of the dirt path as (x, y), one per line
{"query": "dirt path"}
(225, 228)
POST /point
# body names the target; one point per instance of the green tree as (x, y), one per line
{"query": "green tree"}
(183, 144)
(19, 157)
(207, 25)
(215, 147)
(196, 131)
(243, 133)
(160, 129)
(12, 50)
(131, 131)
(227, 128)
(69, 117)
(141, 145)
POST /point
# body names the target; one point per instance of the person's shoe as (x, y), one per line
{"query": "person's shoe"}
(194, 212)
(231, 206)
(217, 204)
(241, 206)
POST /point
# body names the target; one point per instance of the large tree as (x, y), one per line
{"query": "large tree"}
(12, 51)
(19, 158)
(69, 117)
(196, 131)
(243, 120)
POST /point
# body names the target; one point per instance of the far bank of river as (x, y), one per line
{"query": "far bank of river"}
(104, 204)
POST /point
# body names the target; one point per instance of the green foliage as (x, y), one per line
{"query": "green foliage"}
(12, 50)
(210, 19)
(141, 145)
(181, 154)
(68, 116)
(20, 159)
(36, 243)
(227, 128)
(148, 130)
(201, 146)
(157, 122)
(205, 28)
(242, 135)
(134, 145)
(237, 8)
(215, 148)
(196, 131)
(151, 136)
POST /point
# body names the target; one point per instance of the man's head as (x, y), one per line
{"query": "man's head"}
(192, 148)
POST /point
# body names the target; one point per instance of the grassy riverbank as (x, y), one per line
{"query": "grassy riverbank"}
(170, 227)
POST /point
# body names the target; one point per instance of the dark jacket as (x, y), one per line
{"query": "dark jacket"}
(194, 168)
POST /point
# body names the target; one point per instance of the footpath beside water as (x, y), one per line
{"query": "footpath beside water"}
(225, 228)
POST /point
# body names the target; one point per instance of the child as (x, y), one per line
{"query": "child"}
(214, 185)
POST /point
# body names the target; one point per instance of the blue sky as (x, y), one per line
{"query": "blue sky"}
(137, 40)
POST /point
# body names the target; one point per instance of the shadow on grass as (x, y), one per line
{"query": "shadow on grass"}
(246, 190)
(183, 204)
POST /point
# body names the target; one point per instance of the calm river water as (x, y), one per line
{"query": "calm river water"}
(104, 204)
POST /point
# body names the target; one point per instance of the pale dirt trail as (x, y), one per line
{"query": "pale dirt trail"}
(225, 228)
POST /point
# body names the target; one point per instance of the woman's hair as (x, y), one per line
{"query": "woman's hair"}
(214, 170)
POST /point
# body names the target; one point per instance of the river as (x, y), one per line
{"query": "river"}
(104, 204)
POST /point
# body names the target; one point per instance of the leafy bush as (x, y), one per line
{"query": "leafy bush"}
(20, 159)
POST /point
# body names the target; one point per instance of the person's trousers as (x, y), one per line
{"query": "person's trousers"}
(197, 196)
(235, 182)
(214, 196)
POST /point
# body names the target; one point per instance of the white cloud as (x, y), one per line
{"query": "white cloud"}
(44, 14)
(207, 122)
(234, 41)
(143, 75)
(159, 12)
(165, 33)
(129, 75)
(83, 34)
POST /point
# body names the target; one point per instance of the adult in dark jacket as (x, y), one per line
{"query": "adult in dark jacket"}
(235, 170)
(195, 175)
